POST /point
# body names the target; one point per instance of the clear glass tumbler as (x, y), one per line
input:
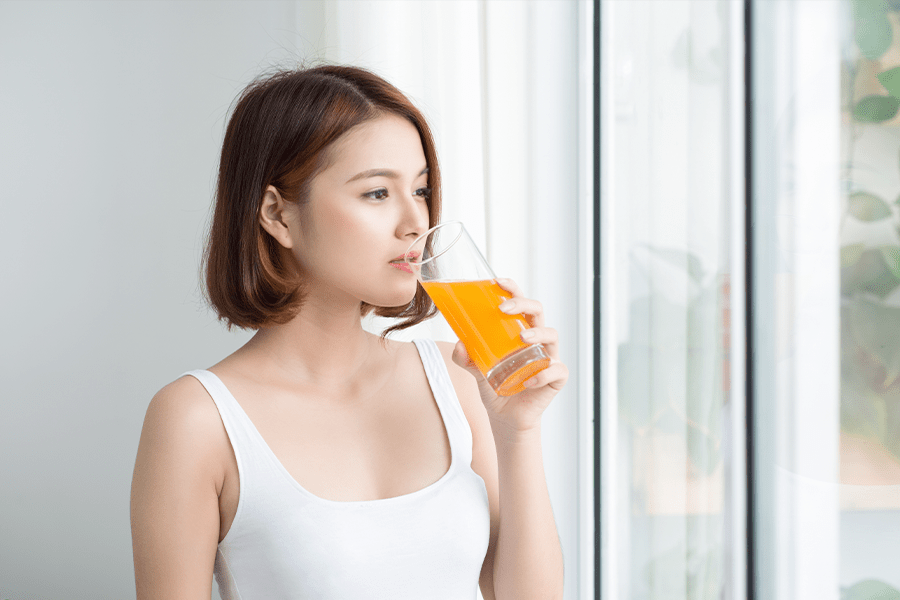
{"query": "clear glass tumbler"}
(464, 288)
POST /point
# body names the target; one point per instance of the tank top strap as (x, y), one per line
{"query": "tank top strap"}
(455, 421)
(241, 432)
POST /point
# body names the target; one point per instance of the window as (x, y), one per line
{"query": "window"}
(672, 272)
(749, 338)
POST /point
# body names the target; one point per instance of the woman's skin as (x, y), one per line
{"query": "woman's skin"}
(350, 417)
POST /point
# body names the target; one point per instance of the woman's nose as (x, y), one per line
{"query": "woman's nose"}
(415, 218)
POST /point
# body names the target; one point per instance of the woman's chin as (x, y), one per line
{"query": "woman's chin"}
(393, 300)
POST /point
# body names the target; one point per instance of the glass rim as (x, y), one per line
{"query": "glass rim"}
(419, 263)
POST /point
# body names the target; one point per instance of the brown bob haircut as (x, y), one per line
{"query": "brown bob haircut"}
(279, 133)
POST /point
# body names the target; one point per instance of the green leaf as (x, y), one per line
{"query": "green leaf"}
(863, 411)
(869, 275)
(876, 328)
(850, 254)
(891, 256)
(871, 589)
(876, 109)
(891, 81)
(867, 8)
(873, 31)
(868, 207)
(874, 35)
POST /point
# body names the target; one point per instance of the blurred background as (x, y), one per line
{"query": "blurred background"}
(703, 194)
(749, 260)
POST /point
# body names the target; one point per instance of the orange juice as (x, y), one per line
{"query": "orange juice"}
(489, 335)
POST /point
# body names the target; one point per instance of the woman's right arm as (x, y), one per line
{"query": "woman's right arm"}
(178, 476)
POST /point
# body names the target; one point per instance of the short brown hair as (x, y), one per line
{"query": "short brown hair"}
(278, 135)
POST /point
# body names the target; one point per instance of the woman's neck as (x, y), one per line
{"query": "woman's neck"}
(323, 346)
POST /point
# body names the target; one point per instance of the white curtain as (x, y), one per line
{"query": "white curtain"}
(500, 83)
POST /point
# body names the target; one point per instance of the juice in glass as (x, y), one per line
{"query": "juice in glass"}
(470, 307)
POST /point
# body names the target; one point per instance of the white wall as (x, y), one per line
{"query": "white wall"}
(112, 115)
(111, 119)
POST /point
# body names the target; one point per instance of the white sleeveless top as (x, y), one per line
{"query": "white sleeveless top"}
(286, 543)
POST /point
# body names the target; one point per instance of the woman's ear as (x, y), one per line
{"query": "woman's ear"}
(272, 217)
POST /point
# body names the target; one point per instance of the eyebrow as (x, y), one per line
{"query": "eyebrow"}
(381, 173)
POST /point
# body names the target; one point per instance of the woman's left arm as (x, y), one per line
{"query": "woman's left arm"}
(524, 555)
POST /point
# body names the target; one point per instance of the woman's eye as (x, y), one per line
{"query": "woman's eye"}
(379, 194)
(424, 192)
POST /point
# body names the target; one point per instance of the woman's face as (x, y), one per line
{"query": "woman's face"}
(364, 211)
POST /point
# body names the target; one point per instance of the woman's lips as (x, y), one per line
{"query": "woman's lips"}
(400, 261)
(402, 266)
(404, 257)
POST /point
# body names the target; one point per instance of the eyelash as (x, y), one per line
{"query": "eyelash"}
(381, 193)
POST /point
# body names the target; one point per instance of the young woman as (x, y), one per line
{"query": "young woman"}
(319, 461)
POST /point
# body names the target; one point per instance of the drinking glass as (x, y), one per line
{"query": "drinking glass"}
(464, 288)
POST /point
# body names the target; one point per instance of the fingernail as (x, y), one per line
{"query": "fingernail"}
(529, 383)
(527, 334)
(507, 306)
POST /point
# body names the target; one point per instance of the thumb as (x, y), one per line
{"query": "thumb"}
(461, 357)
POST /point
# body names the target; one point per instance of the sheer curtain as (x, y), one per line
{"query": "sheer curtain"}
(501, 85)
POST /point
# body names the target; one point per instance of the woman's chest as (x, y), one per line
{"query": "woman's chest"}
(391, 444)
(430, 544)
(389, 447)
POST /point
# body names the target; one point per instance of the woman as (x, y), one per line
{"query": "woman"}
(318, 460)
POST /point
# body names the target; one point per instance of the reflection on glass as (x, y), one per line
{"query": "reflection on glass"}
(870, 301)
(672, 289)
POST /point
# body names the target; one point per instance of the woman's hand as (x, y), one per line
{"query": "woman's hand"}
(521, 412)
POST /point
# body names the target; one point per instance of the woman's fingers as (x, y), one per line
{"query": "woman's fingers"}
(555, 376)
(461, 357)
(547, 336)
(532, 309)
(510, 286)
(540, 335)
(520, 305)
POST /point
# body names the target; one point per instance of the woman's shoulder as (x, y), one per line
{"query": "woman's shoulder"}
(182, 415)
(179, 473)
(185, 397)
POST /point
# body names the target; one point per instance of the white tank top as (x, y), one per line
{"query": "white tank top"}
(286, 543)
